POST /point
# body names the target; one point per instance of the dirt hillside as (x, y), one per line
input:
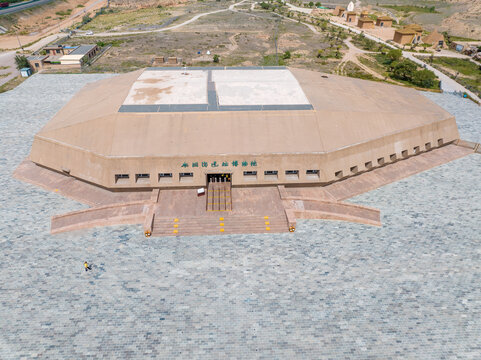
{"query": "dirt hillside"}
(466, 23)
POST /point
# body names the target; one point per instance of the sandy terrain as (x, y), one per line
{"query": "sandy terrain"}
(37, 23)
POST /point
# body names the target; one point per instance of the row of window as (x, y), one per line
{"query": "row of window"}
(188, 176)
(393, 157)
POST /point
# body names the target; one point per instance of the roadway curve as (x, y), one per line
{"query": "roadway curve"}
(173, 27)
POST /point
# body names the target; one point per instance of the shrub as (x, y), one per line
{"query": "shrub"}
(21, 62)
(216, 58)
(424, 78)
(403, 70)
(286, 55)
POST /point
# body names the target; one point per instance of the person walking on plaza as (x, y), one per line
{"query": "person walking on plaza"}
(87, 266)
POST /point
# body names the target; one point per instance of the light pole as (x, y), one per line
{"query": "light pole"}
(18, 39)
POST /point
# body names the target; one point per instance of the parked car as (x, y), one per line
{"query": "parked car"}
(4, 4)
(90, 32)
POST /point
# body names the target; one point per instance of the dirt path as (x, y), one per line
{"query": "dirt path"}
(352, 55)
(198, 16)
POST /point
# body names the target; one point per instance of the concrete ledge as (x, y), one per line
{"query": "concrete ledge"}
(115, 214)
(318, 214)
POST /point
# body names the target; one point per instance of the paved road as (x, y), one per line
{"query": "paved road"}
(11, 10)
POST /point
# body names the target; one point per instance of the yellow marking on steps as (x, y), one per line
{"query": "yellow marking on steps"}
(221, 224)
(268, 228)
(175, 220)
(221, 219)
(176, 225)
(176, 231)
(266, 222)
(266, 217)
(221, 230)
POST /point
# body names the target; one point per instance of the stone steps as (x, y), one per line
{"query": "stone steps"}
(213, 225)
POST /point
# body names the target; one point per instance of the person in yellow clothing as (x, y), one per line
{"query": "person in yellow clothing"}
(87, 266)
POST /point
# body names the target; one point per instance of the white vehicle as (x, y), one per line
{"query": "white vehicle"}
(90, 32)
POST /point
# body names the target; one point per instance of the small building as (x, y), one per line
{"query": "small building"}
(37, 62)
(25, 72)
(80, 55)
(55, 50)
(339, 11)
(435, 39)
(365, 23)
(410, 34)
(351, 17)
(364, 14)
(384, 21)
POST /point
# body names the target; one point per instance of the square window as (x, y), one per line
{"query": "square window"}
(270, 175)
(142, 178)
(165, 177)
(404, 153)
(338, 174)
(292, 174)
(250, 175)
(186, 177)
(354, 169)
(428, 146)
(416, 149)
(440, 142)
(380, 161)
(393, 157)
(122, 179)
(368, 165)
(312, 174)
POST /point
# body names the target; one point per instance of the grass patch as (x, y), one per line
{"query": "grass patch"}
(464, 66)
(469, 73)
(270, 60)
(12, 84)
(64, 12)
(354, 71)
(122, 18)
(412, 8)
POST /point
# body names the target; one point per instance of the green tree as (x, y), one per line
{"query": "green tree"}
(424, 78)
(394, 54)
(21, 62)
(216, 58)
(403, 70)
(311, 4)
(318, 4)
(264, 5)
(86, 19)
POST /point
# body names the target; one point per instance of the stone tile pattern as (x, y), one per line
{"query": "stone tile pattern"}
(409, 290)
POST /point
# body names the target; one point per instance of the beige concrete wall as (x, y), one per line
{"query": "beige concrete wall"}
(348, 160)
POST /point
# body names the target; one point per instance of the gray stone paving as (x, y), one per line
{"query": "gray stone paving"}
(409, 290)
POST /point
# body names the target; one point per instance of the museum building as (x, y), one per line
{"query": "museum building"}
(184, 127)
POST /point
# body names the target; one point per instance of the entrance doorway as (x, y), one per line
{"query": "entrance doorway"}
(218, 178)
(219, 192)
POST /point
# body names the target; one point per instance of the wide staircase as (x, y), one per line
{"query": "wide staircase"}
(219, 196)
(221, 224)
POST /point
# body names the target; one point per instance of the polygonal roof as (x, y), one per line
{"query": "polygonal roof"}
(338, 112)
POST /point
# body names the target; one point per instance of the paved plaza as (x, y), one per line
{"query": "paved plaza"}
(410, 289)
